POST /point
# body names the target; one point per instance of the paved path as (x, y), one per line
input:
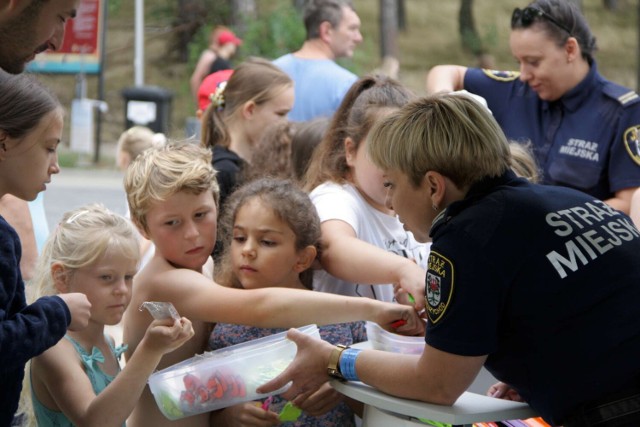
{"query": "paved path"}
(72, 188)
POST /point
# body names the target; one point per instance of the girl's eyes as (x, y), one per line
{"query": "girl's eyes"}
(268, 242)
(387, 184)
(106, 277)
(128, 277)
(239, 239)
(171, 223)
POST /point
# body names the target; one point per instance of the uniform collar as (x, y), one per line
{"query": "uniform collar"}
(477, 191)
(573, 99)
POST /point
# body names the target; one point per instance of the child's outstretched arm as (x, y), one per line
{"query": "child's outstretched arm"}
(348, 258)
(70, 388)
(200, 298)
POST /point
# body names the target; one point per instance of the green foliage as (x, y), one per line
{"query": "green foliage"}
(278, 32)
(113, 6)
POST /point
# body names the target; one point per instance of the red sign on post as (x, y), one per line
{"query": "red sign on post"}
(80, 50)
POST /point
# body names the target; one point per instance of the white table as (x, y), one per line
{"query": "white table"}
(383, 410)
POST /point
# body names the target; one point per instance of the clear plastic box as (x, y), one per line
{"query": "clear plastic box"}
(396, 343)
(224, 377)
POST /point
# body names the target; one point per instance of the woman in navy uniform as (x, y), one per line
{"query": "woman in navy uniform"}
(540, 284)
(584, 128)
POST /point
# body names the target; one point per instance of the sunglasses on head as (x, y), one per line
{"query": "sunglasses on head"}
(528, 15)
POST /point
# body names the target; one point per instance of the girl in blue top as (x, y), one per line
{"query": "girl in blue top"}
(78, 381)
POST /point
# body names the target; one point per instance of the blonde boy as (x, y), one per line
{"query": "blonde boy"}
(172, 195)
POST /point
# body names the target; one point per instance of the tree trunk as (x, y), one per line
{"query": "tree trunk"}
(388, 28)
(471, 40)
(188, 20)
(402, 16)
(243, 11)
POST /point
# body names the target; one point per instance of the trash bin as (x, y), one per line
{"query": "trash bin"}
(148, 106)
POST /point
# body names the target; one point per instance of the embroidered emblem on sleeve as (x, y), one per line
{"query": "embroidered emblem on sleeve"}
(501, 76)
(439, 287)
(631, 141)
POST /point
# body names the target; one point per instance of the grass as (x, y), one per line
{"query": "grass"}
(431, 38)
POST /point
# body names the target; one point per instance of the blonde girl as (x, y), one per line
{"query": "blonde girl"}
(78, 381)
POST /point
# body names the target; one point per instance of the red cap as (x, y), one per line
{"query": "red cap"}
(228, 37)
(209, 86)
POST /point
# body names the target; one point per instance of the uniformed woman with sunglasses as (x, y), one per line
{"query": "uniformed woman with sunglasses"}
(585, 130)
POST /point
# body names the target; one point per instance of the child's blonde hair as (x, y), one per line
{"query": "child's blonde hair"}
(158, 173)
(82, 237)
(289, 204)
(136, 139)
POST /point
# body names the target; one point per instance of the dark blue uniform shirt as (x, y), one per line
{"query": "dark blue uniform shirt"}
(545, 280)
(589, 139)
(25, 330)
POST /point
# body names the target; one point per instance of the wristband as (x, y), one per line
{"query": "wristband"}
(348, 364)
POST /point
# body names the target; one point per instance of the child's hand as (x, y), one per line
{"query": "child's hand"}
(504, 391)
(244, 415)
(321, 401)
(400, 318)
(411, 281)
(80, 309)
(166, 335)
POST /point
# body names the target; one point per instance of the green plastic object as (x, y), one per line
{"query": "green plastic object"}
(290, 412)
(170, 407)
(434, 423)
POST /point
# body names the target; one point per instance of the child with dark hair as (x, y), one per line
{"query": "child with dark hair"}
(272, 233)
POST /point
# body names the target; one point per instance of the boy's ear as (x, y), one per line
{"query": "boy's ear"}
(305, 258)
(59, 275)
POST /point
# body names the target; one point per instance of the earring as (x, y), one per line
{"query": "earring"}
(435, 207)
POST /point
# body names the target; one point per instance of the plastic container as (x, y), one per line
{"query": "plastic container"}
(224, 377)
(396, 343)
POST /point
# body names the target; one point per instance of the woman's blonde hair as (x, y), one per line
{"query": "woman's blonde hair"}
(450, 134)
(158, 173)
(256, 80)
(83, 236)
(522, 161)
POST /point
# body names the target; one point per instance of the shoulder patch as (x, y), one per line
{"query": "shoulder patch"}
(623, 95)
(501, 76)
(631, 140)
(439, 287)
